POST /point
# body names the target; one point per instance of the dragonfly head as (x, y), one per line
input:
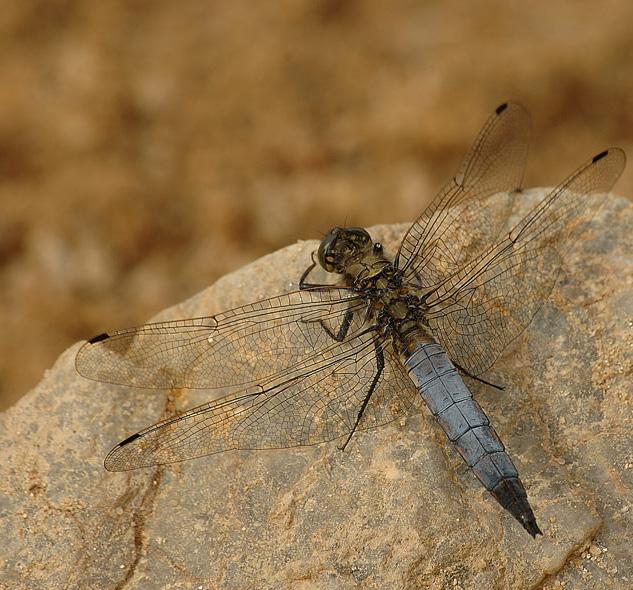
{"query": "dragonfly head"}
(343, 246)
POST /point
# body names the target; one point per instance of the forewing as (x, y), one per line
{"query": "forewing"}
(234, 349)
(318, 401)
(477, 312)
(460, 223)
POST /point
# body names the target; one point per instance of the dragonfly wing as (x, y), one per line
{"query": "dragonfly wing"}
(231, 350)
(479, 310)
(459, 222)
(315, 401)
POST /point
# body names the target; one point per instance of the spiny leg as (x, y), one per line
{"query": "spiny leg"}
(340, 335)
(302, 281)
(380, 365)
(343, 330)
(499, 387)
(347, 318)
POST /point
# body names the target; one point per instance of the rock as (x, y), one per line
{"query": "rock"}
(594, 550)
(396, 510)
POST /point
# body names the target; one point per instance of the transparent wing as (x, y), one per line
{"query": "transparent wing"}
(234, 349)
(459, 223)
(316, 401)
(478, 311)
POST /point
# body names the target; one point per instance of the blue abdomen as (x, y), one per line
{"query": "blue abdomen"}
(467, 427)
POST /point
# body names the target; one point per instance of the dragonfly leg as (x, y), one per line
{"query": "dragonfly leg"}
(380, 365)
(342, 331)
(303, 285)
(302, 281)
(340, 335)
(499, 387)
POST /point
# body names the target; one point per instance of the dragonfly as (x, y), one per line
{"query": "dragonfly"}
(385, 338)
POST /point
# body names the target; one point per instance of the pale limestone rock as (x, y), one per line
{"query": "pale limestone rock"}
(396, 510)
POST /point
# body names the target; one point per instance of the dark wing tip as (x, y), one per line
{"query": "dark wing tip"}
(502, 107)
(99, 338)
(612, 151)
(129, 439)
(113, 460)
(599, 156)
(617, 158)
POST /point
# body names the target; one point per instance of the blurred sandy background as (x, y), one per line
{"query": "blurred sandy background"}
(147, 148)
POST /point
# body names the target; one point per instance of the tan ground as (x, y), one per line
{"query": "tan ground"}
(146, 148)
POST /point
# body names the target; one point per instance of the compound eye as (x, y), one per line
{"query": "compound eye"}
(324, 253)
(359, 235)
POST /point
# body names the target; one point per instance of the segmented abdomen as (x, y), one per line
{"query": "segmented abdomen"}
(467, 427)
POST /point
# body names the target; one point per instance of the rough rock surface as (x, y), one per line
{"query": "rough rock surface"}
(396, 510)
